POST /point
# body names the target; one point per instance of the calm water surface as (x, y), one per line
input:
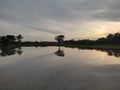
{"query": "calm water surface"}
(51, 68)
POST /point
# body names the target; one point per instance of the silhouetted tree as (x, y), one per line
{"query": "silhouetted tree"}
(60, 39)
(19, 38)
(11, 38)
(110, 37)
(116, 38)
(4, 40)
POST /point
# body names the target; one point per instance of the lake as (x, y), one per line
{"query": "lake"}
(54, 68)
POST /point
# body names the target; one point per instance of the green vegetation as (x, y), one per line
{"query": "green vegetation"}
(94, 46)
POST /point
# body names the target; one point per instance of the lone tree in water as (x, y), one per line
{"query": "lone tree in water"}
(19, 38)
(60, 39)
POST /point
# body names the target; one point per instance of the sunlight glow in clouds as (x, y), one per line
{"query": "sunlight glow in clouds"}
(44, 19)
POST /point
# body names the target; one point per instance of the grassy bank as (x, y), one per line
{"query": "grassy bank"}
(94, 46)
(43, 44)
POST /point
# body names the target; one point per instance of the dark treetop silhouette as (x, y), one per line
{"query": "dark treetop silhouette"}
(60, 39)
(10, 39)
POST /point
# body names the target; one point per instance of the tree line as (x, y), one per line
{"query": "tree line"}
(109, 39)
(10, 39)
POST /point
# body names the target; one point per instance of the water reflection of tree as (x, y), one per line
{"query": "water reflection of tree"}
(110, 52)
(19, 51)
(11, 50)
(115, 53)
(60, 52)
(8, 51)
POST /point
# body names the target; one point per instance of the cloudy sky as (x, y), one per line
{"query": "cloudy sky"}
(44, 19)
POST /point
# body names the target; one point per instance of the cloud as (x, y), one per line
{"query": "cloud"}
(45, 30)
(53, 17)
(59, 10)
(28, 33)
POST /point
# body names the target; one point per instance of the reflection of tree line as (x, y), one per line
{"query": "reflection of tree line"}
(110, 52)
(8, 51)
(115, 53)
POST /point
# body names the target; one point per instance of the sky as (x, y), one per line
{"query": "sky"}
(42, 20)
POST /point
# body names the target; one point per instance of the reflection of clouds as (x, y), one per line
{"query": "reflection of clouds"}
(60, 53)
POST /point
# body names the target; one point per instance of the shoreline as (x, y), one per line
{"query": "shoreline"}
(94, 46)
(64, 45)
